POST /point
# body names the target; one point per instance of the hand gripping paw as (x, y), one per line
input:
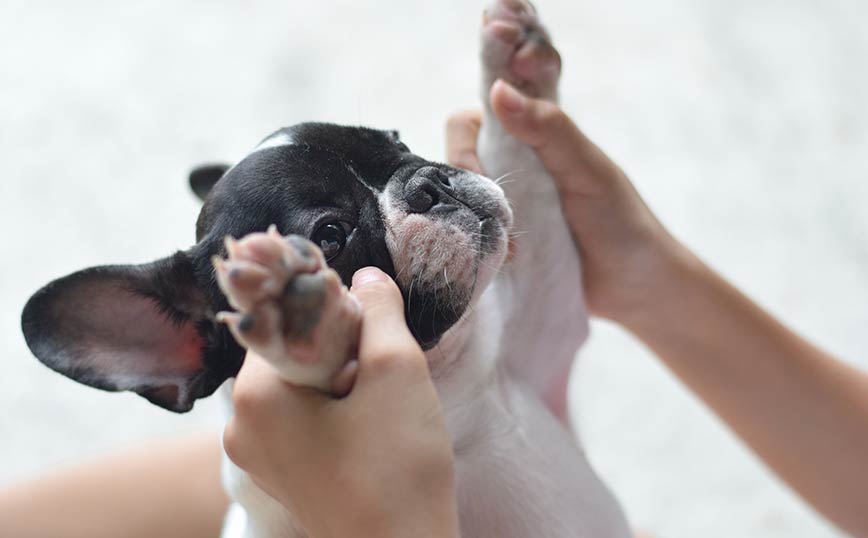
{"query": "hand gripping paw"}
(291, 308)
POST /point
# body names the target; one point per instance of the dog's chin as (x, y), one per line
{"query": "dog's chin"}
(445, 257)
(434, 307)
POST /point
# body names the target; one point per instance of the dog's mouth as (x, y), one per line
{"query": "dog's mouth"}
(439, 295)
(445, 258)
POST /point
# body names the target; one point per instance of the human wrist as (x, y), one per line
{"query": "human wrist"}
(672, 272)
(434, 518)
(433, 514)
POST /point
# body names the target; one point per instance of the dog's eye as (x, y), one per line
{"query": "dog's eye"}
(331, 238)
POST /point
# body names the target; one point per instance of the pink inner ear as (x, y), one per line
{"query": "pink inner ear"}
(140, 343)
(126, 327)
(184, 348)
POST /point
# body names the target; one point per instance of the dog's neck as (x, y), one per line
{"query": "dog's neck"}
(464, 363)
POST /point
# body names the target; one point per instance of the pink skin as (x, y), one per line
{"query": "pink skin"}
(310, 335)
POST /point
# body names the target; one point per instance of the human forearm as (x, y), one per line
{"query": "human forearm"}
(803, 412)
(167, 489)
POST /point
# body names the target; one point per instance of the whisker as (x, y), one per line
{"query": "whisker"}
(434, 314)
(508, 181)
(499, 180)
(446, 279)
(410, 294)
(497, 270)
(399, 273)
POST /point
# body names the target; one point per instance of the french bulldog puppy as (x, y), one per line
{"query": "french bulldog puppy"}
(488, 270)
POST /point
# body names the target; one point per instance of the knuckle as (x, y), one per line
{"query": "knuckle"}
(466, 159)
(461, 128)
(246, 401)
(550, 125)
(232, 443)
(553, 117)
(384, 360)
(461, 119)
(455, 122)
(395, 358)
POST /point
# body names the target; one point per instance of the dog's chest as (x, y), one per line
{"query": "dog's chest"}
(522, 474)
(518, 471)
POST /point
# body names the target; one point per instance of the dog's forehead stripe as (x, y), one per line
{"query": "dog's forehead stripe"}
(283, 139)
(275, 141)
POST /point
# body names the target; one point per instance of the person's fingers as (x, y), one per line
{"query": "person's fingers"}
(462, 130)
(259, 397)
(575, 162)
(385, 339)
(343, 381)
(258, 384)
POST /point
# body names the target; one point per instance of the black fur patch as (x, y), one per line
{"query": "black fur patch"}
(133, 327)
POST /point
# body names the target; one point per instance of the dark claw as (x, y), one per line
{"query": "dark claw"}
(301, 245)
(304, 298)
(246, 323)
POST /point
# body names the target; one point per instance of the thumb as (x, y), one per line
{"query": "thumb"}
(576, 163)
(385, 339)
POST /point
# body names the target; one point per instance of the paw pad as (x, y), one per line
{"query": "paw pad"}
(291, 308)
(517, 48)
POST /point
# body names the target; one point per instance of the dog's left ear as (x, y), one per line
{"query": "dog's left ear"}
(143, 328)
(205, 176)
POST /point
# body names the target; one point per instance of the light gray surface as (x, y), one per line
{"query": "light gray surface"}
(744, 123)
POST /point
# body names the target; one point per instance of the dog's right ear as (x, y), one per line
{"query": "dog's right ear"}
(143, 328)
(205, 176)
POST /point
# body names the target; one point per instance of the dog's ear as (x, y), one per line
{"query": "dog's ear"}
(144, 328)
(204, 176)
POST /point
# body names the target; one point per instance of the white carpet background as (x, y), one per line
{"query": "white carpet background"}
(743, 123)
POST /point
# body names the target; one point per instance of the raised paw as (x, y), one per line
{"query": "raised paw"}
(291, 308)
(517, 48)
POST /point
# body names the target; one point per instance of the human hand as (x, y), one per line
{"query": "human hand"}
(628, 257)
(378, 462)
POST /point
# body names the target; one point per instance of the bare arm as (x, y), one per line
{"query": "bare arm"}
(802, 411)
(169, 489)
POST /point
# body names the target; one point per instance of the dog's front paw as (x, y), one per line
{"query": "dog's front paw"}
(517, 48)
(292, 309)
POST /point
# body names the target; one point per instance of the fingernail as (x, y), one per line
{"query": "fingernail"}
(513, 101)
(366, 275)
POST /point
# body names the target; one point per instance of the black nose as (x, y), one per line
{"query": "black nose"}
(425, 189)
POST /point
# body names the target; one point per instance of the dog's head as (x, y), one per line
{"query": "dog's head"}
(360, 194)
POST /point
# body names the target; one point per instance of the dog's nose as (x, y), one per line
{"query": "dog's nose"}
(425, 189)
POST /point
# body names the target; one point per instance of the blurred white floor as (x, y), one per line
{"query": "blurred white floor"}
(743, 123)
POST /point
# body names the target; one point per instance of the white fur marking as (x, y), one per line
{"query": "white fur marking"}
(276, 141)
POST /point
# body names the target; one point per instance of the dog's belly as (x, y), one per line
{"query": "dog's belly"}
(525, 475)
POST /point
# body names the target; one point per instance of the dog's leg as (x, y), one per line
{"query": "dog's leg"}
(291, 308)
(547, 320)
